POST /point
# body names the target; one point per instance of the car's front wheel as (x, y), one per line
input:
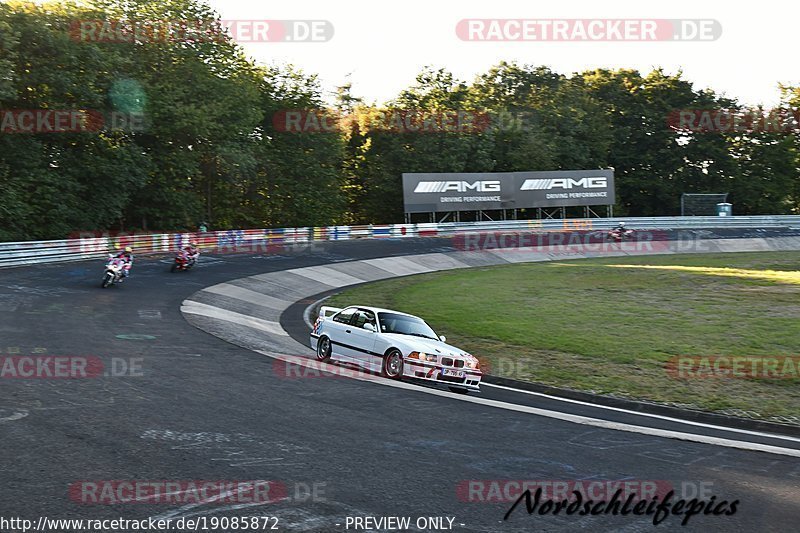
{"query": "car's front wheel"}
(393, 365)
(323, 349)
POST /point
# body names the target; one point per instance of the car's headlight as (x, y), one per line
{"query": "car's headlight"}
(471, 361)
(422, 356)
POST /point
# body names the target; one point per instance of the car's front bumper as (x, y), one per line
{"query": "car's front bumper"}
(467, 378)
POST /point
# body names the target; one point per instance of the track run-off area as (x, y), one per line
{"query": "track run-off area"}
(193, 387)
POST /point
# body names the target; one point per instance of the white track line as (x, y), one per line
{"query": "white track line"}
(576, 419)
(650, 415)
(197, 308)
(249, 296)
(327, 276)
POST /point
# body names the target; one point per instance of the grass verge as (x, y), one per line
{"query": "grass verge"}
(611, 325)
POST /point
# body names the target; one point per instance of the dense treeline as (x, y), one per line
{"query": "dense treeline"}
(206, 135)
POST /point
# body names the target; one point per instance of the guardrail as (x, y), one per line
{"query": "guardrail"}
(92, 245)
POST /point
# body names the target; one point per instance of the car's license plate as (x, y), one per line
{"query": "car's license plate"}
(453, 373)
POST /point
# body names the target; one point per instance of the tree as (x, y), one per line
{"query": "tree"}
(419, 131)
(58, 183)
(300, 180)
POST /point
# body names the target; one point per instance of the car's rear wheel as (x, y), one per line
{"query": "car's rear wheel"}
(323, 349)
(458, 390)
(393, 365)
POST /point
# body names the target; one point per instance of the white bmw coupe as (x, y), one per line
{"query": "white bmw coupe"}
(395, 344)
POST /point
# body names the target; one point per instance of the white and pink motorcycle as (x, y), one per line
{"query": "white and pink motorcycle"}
(113, 274)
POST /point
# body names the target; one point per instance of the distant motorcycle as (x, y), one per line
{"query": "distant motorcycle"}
(113, 273)
(619, 235)
(183, 262)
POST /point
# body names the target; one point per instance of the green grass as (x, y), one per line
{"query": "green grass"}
(609, 325)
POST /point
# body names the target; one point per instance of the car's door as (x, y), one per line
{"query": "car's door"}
(360, 339)
(385, 325)
(336, 328)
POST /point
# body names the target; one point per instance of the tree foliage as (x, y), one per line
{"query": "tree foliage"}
(208, 145)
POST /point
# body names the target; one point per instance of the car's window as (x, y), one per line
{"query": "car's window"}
(362, 317)
(405, 325)
(344, 316)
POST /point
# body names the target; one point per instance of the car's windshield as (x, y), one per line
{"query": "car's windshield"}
(405, 325)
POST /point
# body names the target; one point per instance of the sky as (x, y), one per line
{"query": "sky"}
(381, 46)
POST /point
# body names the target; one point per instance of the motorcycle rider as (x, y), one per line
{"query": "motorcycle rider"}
(127, 261)
(619, 231)
(192, 252)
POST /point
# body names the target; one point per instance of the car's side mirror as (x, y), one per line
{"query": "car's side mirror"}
(369, 327)
(442, 338)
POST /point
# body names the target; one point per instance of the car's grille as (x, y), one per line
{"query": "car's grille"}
(448, 361)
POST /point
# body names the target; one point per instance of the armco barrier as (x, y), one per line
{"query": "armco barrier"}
(93, 246)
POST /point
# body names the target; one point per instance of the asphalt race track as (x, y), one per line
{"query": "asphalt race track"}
(191, 406)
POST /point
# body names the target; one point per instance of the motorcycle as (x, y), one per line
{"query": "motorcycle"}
(183, 262)
(113, 273)
(619, 235)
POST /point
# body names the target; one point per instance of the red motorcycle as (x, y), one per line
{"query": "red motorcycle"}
(183, 262)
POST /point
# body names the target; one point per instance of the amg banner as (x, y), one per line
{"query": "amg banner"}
(431, 192)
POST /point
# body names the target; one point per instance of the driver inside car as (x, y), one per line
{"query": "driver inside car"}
(362, 319)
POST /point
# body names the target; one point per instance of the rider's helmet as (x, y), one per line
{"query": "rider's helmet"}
(128, 250)
(622, 224)
(193, 244)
